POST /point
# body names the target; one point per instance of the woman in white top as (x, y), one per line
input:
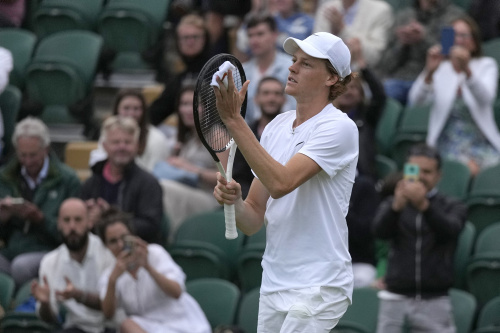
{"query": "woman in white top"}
(461, 91)
(153, 144)
(145, 283)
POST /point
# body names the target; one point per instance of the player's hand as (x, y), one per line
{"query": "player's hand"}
(229, 101)
(41, 292)
(227, 193)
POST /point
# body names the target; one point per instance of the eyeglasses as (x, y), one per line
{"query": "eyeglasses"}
(188, 37)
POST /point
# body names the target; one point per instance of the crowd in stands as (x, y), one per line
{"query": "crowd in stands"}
(96, 253)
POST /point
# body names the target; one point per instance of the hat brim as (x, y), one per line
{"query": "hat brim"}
(291, 45)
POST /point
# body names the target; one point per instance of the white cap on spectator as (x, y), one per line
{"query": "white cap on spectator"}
(323, 45)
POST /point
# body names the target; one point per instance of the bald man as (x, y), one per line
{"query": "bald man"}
(69, 274)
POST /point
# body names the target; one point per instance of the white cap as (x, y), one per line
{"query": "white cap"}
(323, 45)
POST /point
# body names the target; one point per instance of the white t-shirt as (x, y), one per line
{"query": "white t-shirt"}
(85, 276)
(307, 241)
(149, 306)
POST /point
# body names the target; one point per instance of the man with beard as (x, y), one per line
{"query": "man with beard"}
(69, 275)
(119, 181)
(270, 98)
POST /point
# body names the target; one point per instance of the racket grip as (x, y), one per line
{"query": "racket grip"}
(230, 217)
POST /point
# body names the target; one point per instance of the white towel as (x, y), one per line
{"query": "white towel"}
(222, 73)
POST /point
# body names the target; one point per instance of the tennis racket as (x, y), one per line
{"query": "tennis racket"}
(212, 132)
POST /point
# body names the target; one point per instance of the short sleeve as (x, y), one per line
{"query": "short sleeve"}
(333, 144)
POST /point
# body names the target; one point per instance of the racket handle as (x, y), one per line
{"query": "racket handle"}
(230, 217)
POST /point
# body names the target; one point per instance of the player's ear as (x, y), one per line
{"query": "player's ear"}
(331, 80)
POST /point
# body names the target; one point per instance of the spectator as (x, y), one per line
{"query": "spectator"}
(118, 180)
(487, 15)
(367, 22)
(12, 13)
(364, 111)
(270, 98)
(265, 61)
(69, 275)
(189, 175)
(290, 22)
(193, 48)
(153, 145)
(146, 283)
(416, 29)
(6, 65)
(362, 208)
(32, 186)
(422, 226)
(461, 91)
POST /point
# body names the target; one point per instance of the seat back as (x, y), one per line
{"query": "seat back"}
(463, 306)
(384, 166)
(489, 316)
(217, 298)
(387, 126)
(455, 179)
(483, 278)
(248, 311)
(21, 44)
(364, 309)
(463, 254)
(486, 183)
(489, 239)
(412, 130)
(10, 102)
(7, 287)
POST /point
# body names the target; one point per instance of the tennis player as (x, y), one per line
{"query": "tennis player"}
(304, 170)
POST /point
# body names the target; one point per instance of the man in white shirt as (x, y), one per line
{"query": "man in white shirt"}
(69, 275)
(305, 166)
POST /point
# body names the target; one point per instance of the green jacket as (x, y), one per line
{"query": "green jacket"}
(61, 183)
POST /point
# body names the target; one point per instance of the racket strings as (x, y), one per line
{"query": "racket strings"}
(213, 129)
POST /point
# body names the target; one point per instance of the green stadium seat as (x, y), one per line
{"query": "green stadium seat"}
(384, 166)
(463, 254)
(464, 309)
(412, 130)
(248, 311)
(10, 102)
(362, 315)
(205, 232)
(464, 4)
(455, 179)
(130, 27)
(398, 5)
(483, 200)
(488, 239)
(7, 287)
(21, 44)
(489, 317)
(60, 15)
(387, 126)
(217, 298)
(483, 277)
(62, 72)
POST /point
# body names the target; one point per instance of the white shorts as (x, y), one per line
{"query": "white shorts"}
(311, 310)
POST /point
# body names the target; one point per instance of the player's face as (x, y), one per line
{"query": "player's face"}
(261, 39)
(73, 224)
(31, 154)
(429, 173)
(463, 36)
(120, 146)
(270, 98)
(131, 106)
(186, 108)
(191, 40)
(308, 77)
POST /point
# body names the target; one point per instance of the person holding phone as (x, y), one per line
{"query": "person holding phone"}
(422, 227)
(461, 90)
(145, 282)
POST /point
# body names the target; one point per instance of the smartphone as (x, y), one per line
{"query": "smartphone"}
(447, 39)
(17, 201)
(411, 172)
(128, 243)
